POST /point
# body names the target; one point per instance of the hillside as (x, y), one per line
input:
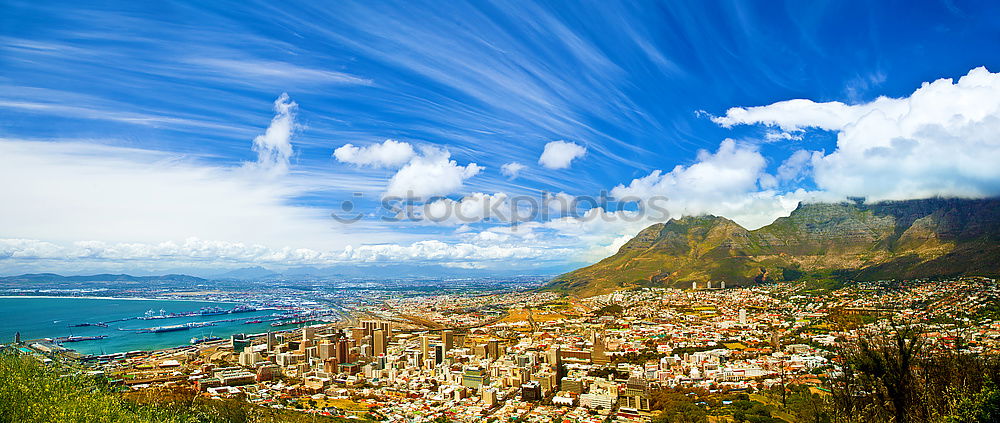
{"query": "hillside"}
(897, 239)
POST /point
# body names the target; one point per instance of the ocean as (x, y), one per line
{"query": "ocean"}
(50, 317)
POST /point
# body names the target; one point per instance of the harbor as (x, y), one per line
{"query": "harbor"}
(107, 326)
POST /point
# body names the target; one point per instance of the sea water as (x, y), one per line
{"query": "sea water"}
(51, 317)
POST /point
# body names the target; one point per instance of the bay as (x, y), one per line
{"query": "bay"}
(51, 317)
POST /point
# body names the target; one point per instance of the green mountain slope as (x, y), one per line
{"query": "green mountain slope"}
(897, 239)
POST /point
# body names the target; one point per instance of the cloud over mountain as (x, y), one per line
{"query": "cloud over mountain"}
(939, 141)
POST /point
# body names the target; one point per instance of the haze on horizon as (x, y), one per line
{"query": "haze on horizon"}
(170, 137)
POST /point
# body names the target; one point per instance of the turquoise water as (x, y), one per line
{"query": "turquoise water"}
(51, 317)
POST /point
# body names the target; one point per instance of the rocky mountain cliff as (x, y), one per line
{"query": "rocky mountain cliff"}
(897, 239)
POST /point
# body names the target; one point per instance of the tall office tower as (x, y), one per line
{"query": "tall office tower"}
(359, 333)
(597, 355)
(425, 346)
(722, 285)
(378, 342)
(239, 341)
(308, 332)
(438, 354)
(272, 341)
(327, 350)
(371, 325)
(493, 349)
(374, 325)
(694, 285)
(342, 350)
(743, 316)
(448, 340)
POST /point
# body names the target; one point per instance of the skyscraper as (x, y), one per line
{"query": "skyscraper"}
(378, 342)
(447, 340)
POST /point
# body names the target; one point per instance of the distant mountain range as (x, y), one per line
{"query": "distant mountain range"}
(851, 240)
(339, 273)
(52, 277)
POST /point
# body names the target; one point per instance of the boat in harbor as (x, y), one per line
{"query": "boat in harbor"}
(79, 338)
(175, 328)
(82, 325)
(196, 340)
(290, 322)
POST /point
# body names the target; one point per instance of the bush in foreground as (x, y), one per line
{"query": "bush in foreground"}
(33, 392)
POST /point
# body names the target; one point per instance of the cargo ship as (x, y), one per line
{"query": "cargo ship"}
(197, 340)
(80, 338)
(81, 325)
(175, 328)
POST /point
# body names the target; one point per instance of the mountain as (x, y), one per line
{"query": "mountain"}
(52, 277)
(852, 240)
(253, 273)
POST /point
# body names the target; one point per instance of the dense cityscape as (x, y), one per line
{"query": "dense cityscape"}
(528, 355)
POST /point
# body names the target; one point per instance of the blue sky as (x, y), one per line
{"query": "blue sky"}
(201, 135)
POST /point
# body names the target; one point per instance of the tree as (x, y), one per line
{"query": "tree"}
(895, 375)
(879, 373)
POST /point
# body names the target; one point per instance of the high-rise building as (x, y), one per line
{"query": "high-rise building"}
(249, 358)
(438, 351)
(327, 350)
(743, 316)
(475, 377)
(239, 342)
(447, 340)
(272, 341)
(378, 342)
(598, 355)
(493, 349)
(425, 346)
(381, 333)
(531, 391)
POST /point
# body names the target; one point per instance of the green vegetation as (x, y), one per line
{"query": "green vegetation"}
(33, 392)
(609, 310)
(893, 375)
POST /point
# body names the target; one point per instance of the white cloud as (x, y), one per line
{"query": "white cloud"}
(940, 140)
(726, 183)
(471, 208)
(193, 251)
(799, 114)
(257, 72)
(559, 154)
(69, 191)
(432, 173)
(773, 136)
(511, 170)
(274, 146)
(795, 167)
(390, 153)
